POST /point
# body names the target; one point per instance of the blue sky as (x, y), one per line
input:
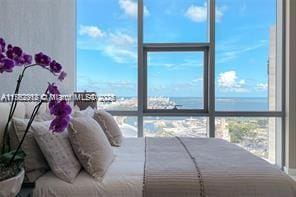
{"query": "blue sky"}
(107, 46)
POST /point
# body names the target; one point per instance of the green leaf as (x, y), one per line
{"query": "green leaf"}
(6, 157)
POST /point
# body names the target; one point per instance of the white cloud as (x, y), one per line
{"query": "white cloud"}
(121, 39)
(130, 8)
(262, 86)
(199, 13)
(120, 55)
(92, 31)
(228, 81)
(220, 13)
(119, 46)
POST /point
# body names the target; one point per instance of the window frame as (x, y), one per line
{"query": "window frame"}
(209, 110)
(209, 79)
(172, 47)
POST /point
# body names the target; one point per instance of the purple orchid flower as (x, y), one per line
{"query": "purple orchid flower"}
(14, 53)
(42, 59)
(62, 112)
(52, 103)
(6, 65)
(59, 124)
(55, 66)
(11, 56)
(53, 89)
(9, 46)
(28, 58)
(61, 109)
(2, 45)
(25, 59)
(62, 76)
(2, 56)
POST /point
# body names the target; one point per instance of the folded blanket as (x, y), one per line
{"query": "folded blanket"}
(211, 168)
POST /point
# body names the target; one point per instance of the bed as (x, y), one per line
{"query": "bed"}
(155, 167)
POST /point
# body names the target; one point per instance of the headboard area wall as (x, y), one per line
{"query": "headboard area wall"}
(47, 26)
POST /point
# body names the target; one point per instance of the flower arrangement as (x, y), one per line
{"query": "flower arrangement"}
(11, 161)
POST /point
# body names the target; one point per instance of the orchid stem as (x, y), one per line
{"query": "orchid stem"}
(33, 115)
(6, 140)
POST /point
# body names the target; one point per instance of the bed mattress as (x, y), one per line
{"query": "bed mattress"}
(147, 167)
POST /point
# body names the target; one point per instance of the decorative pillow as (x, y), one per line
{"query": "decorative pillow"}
(58, 152)
(4, 109)
(20, 110)
(30, 107)
(109, 126)
(91, 146)
(87, 112)
(35, 164)
(45, 116)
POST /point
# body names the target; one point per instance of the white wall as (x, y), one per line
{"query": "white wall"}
(40, 25)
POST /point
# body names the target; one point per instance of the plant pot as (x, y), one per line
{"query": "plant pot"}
(11, 187)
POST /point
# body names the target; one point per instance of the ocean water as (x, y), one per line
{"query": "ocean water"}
(221, 104)
(224, 104)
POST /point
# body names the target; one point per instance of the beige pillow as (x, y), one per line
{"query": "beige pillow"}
(109, 126)
(29, 106)
(4, 109)
(20, 110)
(45, 116)
(58, 152)
(35, 164)
(91, 146)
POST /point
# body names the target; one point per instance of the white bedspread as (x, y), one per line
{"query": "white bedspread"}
(227, 170)
(123, 178)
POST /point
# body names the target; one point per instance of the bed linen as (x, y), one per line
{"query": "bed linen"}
(207, 167)
(123, 178)
(214, 167)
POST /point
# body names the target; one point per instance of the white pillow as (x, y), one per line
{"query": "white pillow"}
(58, 152)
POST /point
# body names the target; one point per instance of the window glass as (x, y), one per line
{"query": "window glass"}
(175, 126)
(248, 77)
(128, 125)
(254, 134)
(175, 80)
(107, 52)
(175, 21)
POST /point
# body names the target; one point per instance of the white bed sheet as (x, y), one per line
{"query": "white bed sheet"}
(121, 179)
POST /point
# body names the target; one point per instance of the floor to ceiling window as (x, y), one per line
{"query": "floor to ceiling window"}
(196, 68)
(107, 52)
